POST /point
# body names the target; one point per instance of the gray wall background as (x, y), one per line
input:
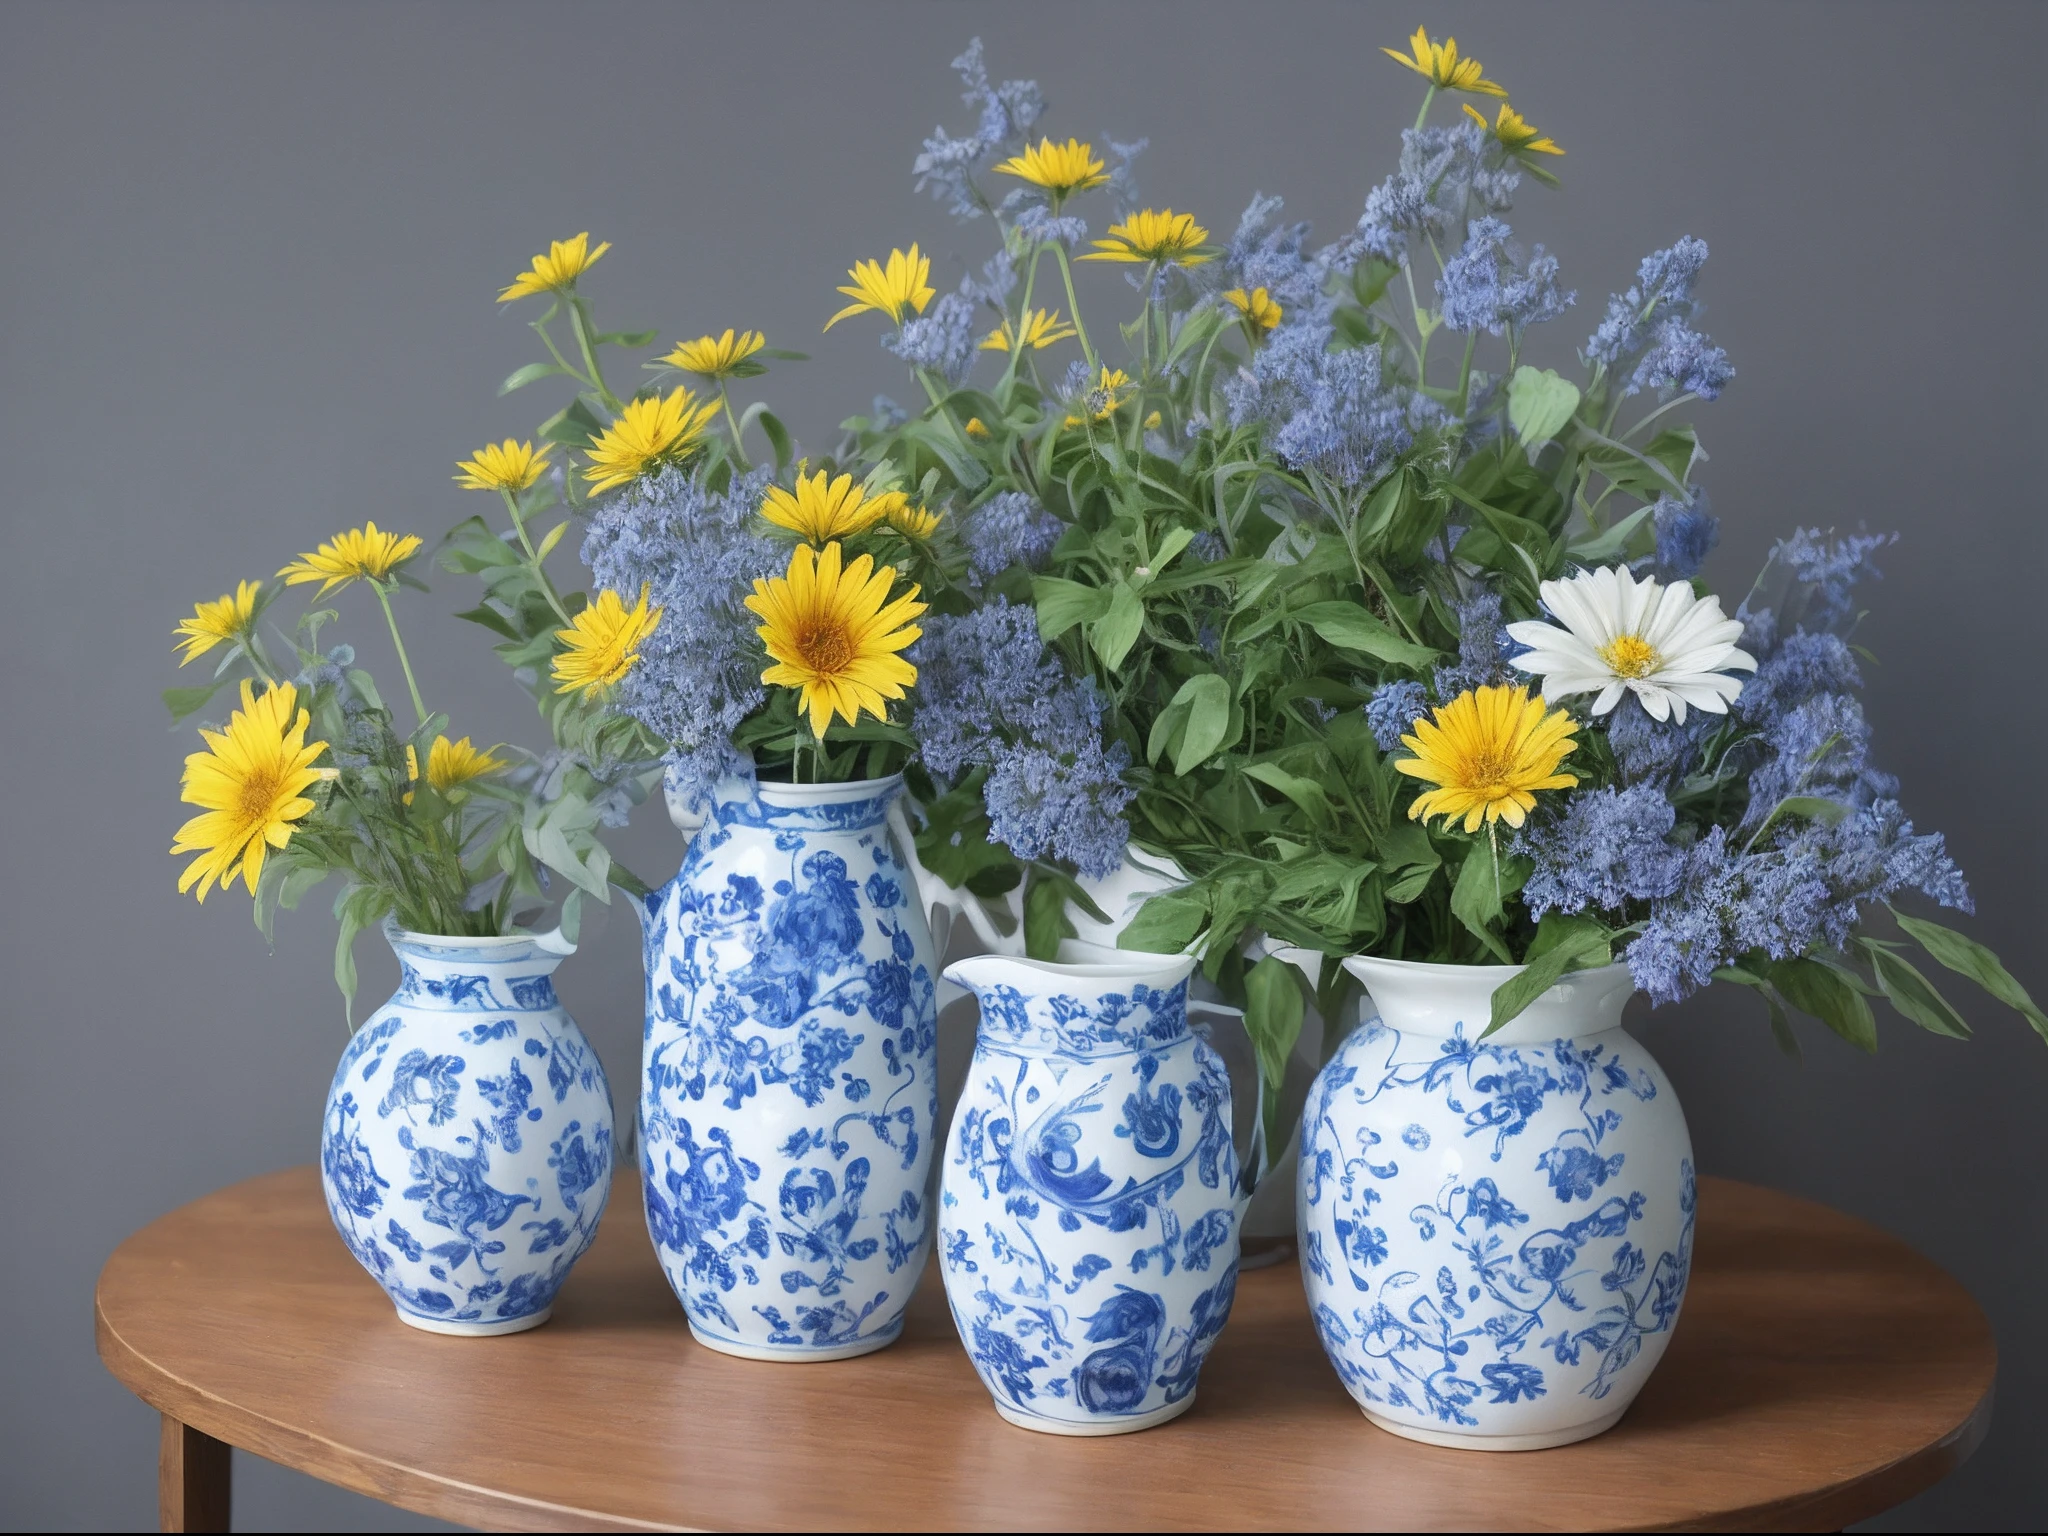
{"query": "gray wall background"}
(250, 262)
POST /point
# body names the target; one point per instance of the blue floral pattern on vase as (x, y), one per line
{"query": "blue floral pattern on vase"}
(467, 1151)
(1496, 1234)
(790, 1082)
(1088, 1210)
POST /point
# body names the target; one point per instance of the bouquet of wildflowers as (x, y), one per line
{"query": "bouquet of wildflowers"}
(751, 615)
(1297, 574)
(314, 775)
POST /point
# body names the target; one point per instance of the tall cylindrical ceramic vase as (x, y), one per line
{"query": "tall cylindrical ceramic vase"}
(1496, 1233)
(467, 1151)
(1088, 1208)
(789, 1087)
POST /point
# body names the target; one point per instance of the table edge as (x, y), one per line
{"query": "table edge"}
(359, 1471)
(427, 1493)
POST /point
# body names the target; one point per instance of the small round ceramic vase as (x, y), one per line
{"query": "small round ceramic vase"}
(1496, 1232)
(467, 1154)
(790, 1064)
(1088, 1207)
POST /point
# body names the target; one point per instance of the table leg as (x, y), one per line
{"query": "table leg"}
(192, 1480)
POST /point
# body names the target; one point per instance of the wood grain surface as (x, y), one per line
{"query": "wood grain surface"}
(1822, 1371)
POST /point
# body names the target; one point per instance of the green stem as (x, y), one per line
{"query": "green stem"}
(1428, 96)
(384, 598)
(612, 402)
(1067, 277)
(532, 560)
(540, 328)
(732, 421)
(1670, 405)
(1016, 348)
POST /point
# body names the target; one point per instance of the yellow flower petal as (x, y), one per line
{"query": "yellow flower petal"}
(1486, 751)
(831, 633)
(249, 785)
(600, 645)
(556, 270)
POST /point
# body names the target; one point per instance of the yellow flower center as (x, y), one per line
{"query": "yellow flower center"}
(257, 800)
(826, 649)
(1631, 656)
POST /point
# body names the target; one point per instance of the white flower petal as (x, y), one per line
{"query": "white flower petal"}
(1655, 701)
(1609, 697)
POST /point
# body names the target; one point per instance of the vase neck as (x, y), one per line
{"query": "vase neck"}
(857, 806)
(1037, 1008)
(1443, 1002)
(513, 974)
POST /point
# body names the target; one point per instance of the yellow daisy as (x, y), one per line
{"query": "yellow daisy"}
(1041, 328)
(1439, 64)
(648, 434)
(557, 270)
(600, 645)
(1517, 135)
(888, 290)
(821, 509)
(1487, 751)
(719, 357)
(833, 634)
(1257, 307)
(362, 554)
(1062, 169)
(451, 763)
(231, 617)
(913, 522)
(1153, 234)
(250, 782)
(1108, 393)
(507, 466)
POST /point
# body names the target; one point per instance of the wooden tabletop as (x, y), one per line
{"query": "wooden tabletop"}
(1822, 1372)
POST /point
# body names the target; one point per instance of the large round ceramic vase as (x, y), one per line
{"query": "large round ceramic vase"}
(1496, 1232)
(468, 1145)
(790, 1083)
(1087, 1205)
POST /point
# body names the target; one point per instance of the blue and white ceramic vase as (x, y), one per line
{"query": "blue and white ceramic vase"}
(1088, 1207)
(467, 1154)
(790, 1083)
(1496, 1233)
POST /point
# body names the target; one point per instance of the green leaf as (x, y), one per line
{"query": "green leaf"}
(1478, 899)
(185, 702)
(547, 545)
(532, 373)
(1062, 604)
(1914, 995)
(1587, 935)
(1827, 994)
(574, 425)
(492, 620)
(1165, 925)
(1118, 629)
(623, 338)
(1350, 627)
(1306, 793)
(1207, 697)
(1540, 975)
(1045, 916)
(778, 437)
(1273, 1011)
(1813, 807)
(1966, 957)
(1540, 403)
(1611, 541)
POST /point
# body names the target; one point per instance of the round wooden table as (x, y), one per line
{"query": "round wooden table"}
(1822, 1372)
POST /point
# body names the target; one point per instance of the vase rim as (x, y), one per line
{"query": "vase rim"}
(1173, 968)
(780, 794)
(551, 942)
(1501, 973)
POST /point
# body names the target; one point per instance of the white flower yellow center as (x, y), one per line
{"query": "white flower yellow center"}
(1631, 656)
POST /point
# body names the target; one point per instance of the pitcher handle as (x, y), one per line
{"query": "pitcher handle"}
(937, 896)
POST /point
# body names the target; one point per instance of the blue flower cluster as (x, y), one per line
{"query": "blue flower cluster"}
(698, 555)
(1487, 287)
(1009, 529)
(1650, 327)
(1004, 114)
(1274, 256)
(1686, 534)
(1782, 880)
(990, 695)
(1483, 646)
(1446, 176)
(1331, 412)
(1392, 711)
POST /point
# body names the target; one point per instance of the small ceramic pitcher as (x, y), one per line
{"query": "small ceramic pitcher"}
(1496, 1233)
(1088, 1205)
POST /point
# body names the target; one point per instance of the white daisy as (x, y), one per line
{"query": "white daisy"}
(1662, 643)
